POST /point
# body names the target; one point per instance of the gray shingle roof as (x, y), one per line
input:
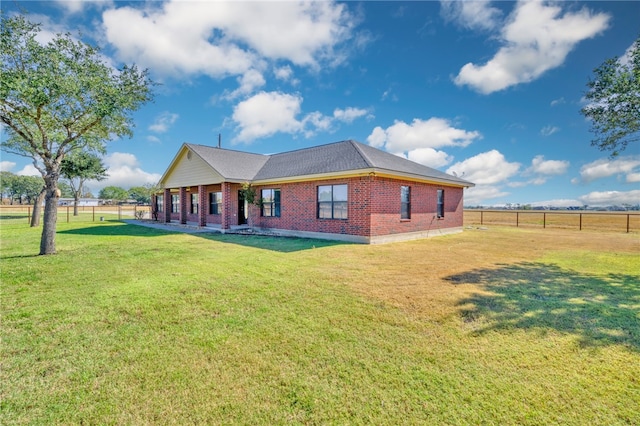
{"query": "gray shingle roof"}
(232, 165)
(335, 157)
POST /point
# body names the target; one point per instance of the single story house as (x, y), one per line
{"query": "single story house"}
(345, 191)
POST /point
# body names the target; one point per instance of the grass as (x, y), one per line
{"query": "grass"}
(130, 325)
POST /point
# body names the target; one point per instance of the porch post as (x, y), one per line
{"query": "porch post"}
(183, 205)
(166, 214)
(203, 207)
(226, 205)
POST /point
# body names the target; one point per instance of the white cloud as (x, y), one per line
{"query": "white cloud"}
(153, 139)
(547, 167)
(349, 114)
(77, 6)
(475, 15)
(6, 166)
(123, 170)
(163, 122)
(430, 157)
(535, 39)
(626, 58)
(248, 83)
(29, 170)
(549, 130)
(314, 122)
(489, 171)
(603, 168)
(633, 177)
(283, 73)
(609, 198)
(480, 194)
(268, 113)
(558, 101)
(402, 138)
(487, 168)
(228, 38)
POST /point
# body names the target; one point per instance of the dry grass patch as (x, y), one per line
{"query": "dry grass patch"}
(412, 275)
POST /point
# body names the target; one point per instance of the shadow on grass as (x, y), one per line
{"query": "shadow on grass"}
(279, 244)
(116, 228)
(601, 310)
(14, 216)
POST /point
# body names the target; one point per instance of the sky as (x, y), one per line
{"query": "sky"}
(489, 91)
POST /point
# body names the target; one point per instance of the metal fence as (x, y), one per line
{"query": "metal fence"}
(19, 213)
(591, 220)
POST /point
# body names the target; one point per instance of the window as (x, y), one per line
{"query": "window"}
(332, 201)
(175, 204)
(405, 202)
(215, 203)
(159, 203)
(440, 208)
(271, 202)
(194, 203)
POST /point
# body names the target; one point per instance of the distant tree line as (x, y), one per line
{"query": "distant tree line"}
(16, 189)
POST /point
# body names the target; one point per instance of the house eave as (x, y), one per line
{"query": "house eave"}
(372, 172)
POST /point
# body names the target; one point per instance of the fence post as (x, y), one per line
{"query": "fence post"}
(517, 219)
(119, 212)
(29, 215)
(67, 214)
(93, 213)
(481, 217)
(581, 221)
(628, 222)
(544, 220)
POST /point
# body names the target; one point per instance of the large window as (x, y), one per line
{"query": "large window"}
(159, 203)
(332, 201)
(271, 202)
(194, 203)
(215, 203)
(405, 202)
(175, 204)
(440, 207)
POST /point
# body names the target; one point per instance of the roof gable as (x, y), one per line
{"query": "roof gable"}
(232, 165)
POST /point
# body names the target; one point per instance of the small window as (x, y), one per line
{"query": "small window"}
(159, 203)
(194, 203)
(175, 204)
(270, 202)
(405, 202)
(332, 201)
(215, 203)
(440, 207)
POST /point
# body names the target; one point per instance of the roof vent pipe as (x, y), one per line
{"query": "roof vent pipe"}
(219, 140)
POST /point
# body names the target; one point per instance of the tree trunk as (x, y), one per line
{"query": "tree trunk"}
(48, 240)
(37, 208)
(76, 198)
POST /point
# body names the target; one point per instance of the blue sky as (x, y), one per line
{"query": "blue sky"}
(488, 90)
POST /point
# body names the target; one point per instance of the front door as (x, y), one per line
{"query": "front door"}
(242, 215)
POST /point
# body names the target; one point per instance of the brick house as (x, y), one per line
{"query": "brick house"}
(340, 191)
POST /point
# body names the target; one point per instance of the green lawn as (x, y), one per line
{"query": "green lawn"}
(130, 325)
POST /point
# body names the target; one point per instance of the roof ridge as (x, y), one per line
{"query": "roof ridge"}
(309, 148)
(225, 149)
(364, 156)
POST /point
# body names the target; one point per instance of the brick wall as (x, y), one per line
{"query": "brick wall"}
(385, 215)
(373, 207)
